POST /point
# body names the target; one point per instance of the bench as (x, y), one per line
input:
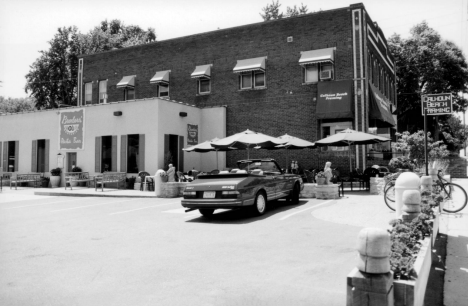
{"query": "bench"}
(25, 178)
(77, 177)
(110, 178)
(4, 178)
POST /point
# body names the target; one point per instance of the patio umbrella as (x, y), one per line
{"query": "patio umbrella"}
(205, 147)
(350, 137)
(294, 143)
(246, 140)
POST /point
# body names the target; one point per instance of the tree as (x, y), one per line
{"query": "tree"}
(16, 105)
(52, 79)
(272, 12)
(426, 64)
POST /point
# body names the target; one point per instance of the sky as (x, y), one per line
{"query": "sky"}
(26, 26)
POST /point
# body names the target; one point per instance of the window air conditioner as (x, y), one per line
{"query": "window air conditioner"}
(326, 75)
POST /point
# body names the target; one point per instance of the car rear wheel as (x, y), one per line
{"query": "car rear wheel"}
(259, 206)
(294, 196)
(206, 212)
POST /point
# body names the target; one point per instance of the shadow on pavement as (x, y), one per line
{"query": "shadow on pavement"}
(243, 215)
(435, 285)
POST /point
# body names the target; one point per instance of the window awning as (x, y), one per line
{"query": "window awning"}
(379, 107)
(334, 100)
(317, 56)
(202, 72)
(160, 77)
(252, 64)
(127, 81)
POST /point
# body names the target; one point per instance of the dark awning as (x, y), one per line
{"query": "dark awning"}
(379, 106)
(317, 56)
(334, 100)
(127, 81)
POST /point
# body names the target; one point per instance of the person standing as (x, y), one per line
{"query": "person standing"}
(171, 173)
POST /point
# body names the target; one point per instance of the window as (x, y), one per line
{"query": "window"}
(133, 152)
(11, 156)
(259, 79)
(246, 80)
(311, 73)
(106, 153)
(103, 91)
(252, 79)
(129, 94)
(204, 85)
(163, 90)
(326, 71)
(89, 93)
(41, 156)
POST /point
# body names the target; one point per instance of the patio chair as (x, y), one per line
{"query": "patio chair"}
(182, 177)
(148, 183)
(309, 176)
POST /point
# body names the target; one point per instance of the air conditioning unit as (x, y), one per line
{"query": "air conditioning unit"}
(326, 75)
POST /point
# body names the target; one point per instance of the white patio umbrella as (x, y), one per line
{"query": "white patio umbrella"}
(294, 143)
(205, 147)
(350, 137)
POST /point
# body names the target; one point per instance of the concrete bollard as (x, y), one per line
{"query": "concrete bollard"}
(433, 173)
(426, 183)
(406, 181)
(371, 282)
(158, 182)
(411, 205)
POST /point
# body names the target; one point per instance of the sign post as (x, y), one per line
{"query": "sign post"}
(434, 105)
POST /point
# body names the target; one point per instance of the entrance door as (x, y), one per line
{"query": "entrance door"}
(71, 161)
(174, 145)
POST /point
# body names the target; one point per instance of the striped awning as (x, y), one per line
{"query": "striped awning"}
(317, 56)
(203, 71)
(127, 81)
(160, 77)
(252, 64)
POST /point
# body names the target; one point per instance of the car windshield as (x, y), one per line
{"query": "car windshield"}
(265, 166)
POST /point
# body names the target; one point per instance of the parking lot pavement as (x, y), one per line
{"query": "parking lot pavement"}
(120, 251)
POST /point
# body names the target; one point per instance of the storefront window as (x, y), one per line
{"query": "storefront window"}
(11, 156)
(41, 145)
(106, 151)
(133, 153)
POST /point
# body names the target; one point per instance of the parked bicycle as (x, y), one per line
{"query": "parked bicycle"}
(454, 196)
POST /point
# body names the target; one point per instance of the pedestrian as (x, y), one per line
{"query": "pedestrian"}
(171, 173)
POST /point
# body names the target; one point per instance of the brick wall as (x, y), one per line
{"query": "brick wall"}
(285, 106)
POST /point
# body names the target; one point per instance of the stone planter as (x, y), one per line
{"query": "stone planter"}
(309, 191)
(325, 192)
(172, 189)
(321, 180)
(377, 185)
(411, 292)
(54, 181)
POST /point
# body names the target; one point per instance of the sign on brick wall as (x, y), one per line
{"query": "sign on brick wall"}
(71, 134)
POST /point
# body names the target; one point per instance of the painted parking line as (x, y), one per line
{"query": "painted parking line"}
(126, 211)
(298, 212)
(78, 207)
(45, 203)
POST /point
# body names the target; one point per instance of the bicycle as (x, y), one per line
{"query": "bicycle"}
(454, 196)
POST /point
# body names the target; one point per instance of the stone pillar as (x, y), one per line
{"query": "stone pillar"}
(411, 205)
(158, 182)
(371, 282)
(426, 183)
(406, 181)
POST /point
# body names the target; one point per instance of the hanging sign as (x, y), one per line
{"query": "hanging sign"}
(71, 134)
(437, 104)
(192, 134)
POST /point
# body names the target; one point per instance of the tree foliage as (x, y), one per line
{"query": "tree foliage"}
(52, 78)
(272, 11)
(426, 64)
(16, 105)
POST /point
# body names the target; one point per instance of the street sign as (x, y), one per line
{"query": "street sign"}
(437, 104)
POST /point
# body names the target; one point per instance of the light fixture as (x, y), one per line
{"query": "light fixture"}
(118, 113)
(183, 114)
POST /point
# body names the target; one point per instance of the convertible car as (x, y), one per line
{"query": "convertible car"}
(251, 185)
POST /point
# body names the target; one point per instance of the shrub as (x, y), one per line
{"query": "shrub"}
(77, 169)
(56, 171)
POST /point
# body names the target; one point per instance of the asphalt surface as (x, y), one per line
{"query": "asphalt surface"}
(120, 251)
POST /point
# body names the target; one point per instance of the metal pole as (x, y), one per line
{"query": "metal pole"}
(425, 141)
(464, 132)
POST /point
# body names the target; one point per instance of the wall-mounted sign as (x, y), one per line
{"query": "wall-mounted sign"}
(192, 134)
(71, 134)
(437, 104)
(334, 99)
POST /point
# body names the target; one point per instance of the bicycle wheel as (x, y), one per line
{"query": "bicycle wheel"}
(389, 196)
(455, 197)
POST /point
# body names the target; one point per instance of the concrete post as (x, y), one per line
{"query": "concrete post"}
(411, 205)
(158, 181)
(406, 181)
(426, 183)
(371, 282)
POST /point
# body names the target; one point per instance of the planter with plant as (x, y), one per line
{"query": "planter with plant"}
(130, 182)
(73, 183)
(55, 177)
(45, 182)
(320, 178)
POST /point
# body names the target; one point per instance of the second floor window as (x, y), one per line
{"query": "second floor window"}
(163, 90)
(204, 85)
(103, 91)
(129, 94)
(88, 93)
(252, 79)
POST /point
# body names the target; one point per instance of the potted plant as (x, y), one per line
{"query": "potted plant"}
(75, 169)
(55, 177)
(45, 182)
(130, 182)
(320, 178)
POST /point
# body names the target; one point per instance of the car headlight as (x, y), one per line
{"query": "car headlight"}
(230, 194)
